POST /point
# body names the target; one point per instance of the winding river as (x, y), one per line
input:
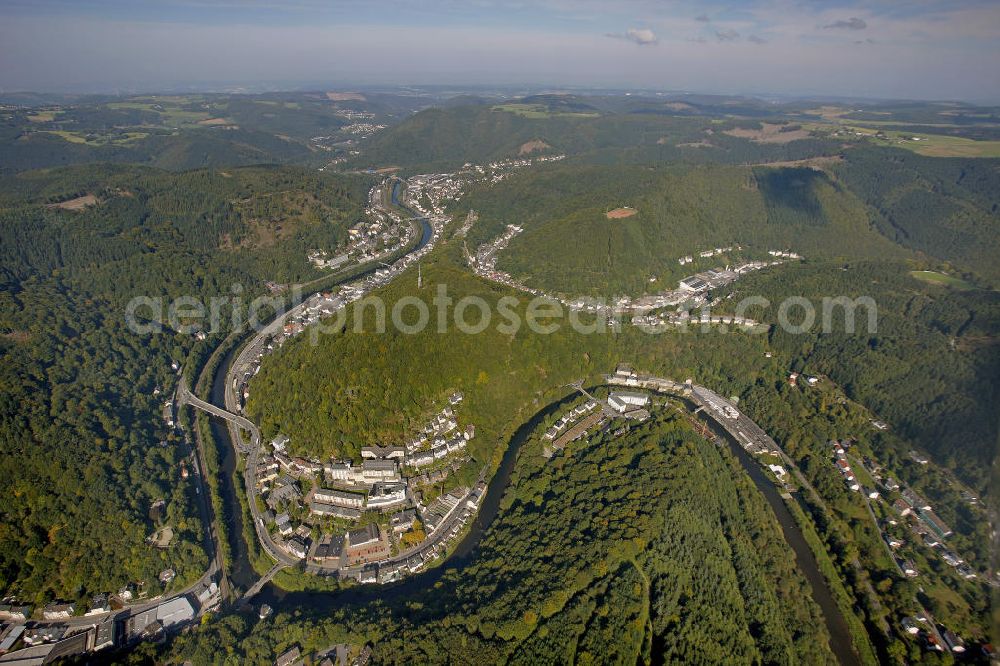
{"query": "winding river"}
(243, 575)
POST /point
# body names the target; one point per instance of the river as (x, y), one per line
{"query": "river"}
(836, 625)
(243, 575)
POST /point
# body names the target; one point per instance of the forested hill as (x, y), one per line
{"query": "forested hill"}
(948, 208)
(192, 131)
(444, 139)
(570, 245)
(133, 230)
(84, 448)
(652, 544)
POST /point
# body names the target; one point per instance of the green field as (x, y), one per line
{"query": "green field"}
(542, 111)
(932, 145)
(89, 139)
(934, 277)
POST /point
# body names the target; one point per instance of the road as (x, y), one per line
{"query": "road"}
(239, 369)
(264, 580)
(185, 397)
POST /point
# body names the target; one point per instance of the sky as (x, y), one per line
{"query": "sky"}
(913, 49)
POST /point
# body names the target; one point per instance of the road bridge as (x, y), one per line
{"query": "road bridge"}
(185, 397)
(259, 585)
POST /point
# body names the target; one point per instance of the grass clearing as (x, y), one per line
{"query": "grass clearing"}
(79, 203)
(934, 277)
(90, 139)
(931, 145)
(542, 111)
(529, 147)
(771, 133)
(170, 112)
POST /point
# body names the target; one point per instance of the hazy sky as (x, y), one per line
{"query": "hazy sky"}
(925, 49)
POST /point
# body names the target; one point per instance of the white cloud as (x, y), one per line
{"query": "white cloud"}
(641, 36)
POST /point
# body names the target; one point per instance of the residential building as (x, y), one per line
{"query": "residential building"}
(383, 452)
(99, 605)
(14, 612)
(339, 471)
(287, 490)
(334, 511)
(56, 611)
(402, 521)
(379, 470)
(297, 547)
(936, 525)
(954, 643)
(915, 500)
(329, 548)
(291, 657)
(420, 459)
(386, 495)
(340, 498)
(283, 524)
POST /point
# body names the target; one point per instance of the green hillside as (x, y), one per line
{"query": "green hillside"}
(444, 139)
(948, 208)
(179, 132)
(84, 447)
(652, 542)
(569, 244)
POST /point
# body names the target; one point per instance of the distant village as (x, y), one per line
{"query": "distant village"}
(648, 311)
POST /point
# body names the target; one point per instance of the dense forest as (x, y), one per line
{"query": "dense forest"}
(85, 448)
(930, 367)
(569, 245)
(620, 547)
(948, 208)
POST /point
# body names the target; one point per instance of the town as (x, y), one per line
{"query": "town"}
(373, 520)
(648, 312)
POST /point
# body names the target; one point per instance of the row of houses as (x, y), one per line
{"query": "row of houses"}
(568, 418)
(20, 644)
(840, 460)
(462, 504)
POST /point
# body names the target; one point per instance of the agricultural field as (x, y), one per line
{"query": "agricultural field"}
(543, 111)
(931, 145)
